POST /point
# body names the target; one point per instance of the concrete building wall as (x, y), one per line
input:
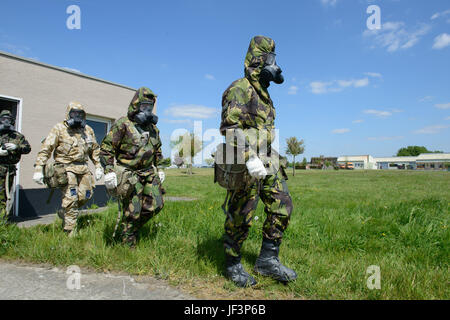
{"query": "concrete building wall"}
(45, 92)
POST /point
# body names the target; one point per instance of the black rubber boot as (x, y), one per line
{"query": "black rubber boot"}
(268, 263)
(236, 272)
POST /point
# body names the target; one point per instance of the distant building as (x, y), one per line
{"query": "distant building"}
(425, 161)
(433, 161)
(359, 162)
(396, 163)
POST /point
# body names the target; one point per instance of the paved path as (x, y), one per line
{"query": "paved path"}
(28, 282)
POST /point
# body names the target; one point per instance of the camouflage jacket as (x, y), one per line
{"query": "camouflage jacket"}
(72, 147)
(23, 147)
(246, 104)
(136, 148)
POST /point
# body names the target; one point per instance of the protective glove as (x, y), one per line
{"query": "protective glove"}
(256, 168)
(38, 177)
(10, 146)
(3, 152)
(111, 180)
(162, 176)
(98, 173)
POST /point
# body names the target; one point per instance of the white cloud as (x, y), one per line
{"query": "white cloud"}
(426, 99)
(293, 90)
(384, 138)
(374, 74)
(209, 77)
(394, 36)
(320, 87)
(358, 121)
(442, 105)
(440, 14)
(378, 113)
(448, 118)
(432, 129)
(191, 111)
(441, 41)
(327, 3)
(340, 131)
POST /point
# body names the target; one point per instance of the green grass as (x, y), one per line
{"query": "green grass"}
(343, 222)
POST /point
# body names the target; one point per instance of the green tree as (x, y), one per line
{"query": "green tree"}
(304, 162)
(209, 161)
(414, 151)
(294, 148)
(165, 162)
(188, 145)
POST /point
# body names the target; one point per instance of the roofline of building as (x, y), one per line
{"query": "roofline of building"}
(13, 56)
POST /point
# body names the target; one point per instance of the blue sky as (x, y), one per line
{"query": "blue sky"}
(348, 90)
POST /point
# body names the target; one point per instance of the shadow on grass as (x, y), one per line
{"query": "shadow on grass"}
(147, 232)
(212, 249)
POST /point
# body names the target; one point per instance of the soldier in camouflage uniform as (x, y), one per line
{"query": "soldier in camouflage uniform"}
(247, 105)
(13, 146)
(129, 155)
(72, 143)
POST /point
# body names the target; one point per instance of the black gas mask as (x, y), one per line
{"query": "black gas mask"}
(6, 123)
(145, 115)
(77, 119)
(270, 72)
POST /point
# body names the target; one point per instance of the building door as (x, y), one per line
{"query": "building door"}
(14, 105)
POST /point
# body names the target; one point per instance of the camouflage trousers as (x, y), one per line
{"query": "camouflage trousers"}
(75, 194)
(3, 196)
(143, 202)
(241, 205)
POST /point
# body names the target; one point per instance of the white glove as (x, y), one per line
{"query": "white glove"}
(111, 180)
(3, 152)
(256, 168)
(98, 173)
(162, 176)
(10, 146)
(38, 177)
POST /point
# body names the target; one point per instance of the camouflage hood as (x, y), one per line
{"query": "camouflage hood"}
(254, 62)
(142, 94)
(73, 106)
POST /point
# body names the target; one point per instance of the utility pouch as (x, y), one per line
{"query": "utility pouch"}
(232, 176)
(126, 180)
(55, 175)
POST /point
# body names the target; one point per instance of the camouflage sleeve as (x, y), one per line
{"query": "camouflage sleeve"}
(47, 147)
(158, 154)
(236, 119)
(95, 151)
(24, 145)
(109, 147)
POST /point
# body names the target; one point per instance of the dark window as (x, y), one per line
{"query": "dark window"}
(100, 129)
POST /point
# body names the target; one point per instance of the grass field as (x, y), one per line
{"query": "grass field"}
(343, 222)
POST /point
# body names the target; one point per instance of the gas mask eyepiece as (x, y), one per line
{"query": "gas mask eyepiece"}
(145, 115)
(77, 119)
(271, 71)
